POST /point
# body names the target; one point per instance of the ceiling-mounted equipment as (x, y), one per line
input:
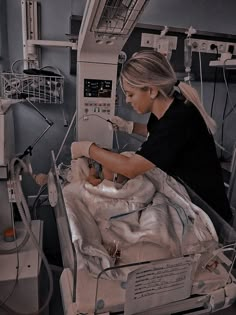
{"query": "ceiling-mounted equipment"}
(116, 17)
(105, 27)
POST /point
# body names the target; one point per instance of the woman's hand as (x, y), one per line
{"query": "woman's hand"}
(122, 124)
(79, 149)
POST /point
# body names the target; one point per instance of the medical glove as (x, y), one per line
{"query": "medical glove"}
(122, 124)
(81, 148)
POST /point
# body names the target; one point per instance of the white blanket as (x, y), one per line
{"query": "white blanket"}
(149, 217)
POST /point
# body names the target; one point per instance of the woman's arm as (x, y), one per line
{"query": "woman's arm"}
(117, 163)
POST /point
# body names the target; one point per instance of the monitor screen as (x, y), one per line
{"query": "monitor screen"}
(97, 88)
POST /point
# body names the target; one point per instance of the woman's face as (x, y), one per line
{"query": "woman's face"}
(139, 99)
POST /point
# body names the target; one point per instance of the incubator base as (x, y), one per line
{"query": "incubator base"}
(25, 296)
(66, 287)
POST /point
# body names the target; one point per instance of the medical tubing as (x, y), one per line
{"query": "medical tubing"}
(214, 86)
(2, 303)
(227, 89)
(20, 165)
(117, 141)
(17, 264)
(66, 135)
(13, 64)
(35, 204)
(110, 122)
(18, 190)
(26, 237)
(187, 54)
(200, 70)
(53, 68)
(15, 249)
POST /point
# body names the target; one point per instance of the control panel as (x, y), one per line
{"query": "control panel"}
(96, 102)
(101, 108)
(97, 88)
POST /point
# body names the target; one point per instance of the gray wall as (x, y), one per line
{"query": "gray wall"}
(204, 15)
(3, 36)
(212, 16)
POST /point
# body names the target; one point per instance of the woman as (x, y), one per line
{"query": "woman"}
(179, 130)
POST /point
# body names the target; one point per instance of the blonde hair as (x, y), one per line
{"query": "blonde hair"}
(151, 68)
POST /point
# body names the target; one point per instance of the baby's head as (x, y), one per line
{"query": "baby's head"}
(98, 173)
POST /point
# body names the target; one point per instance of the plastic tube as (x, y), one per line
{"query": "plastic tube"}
(187, 54)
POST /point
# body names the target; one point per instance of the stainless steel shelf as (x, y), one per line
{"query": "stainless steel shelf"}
(228, 64)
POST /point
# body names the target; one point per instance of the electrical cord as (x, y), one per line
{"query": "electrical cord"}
(200, 68)
(213, 46)
(53, 68)
(35, 204)
(227, 87)
(27, 213)
(17, 248)
(214, 92)
(115, 127)
(66, 135)
(222, 125)
(230, 111)
(228, 97)
(13, 64)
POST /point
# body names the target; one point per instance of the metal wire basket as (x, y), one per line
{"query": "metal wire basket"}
(37, 88)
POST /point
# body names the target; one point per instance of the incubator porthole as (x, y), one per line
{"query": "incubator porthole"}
(100, 304)
(123, 285)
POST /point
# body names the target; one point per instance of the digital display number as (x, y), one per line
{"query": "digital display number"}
(97, 88)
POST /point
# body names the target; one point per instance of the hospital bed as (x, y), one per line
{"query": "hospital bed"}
(209, 290)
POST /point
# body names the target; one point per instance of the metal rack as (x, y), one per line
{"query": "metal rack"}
(36, 88)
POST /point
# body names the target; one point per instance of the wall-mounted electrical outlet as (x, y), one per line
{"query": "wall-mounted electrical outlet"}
(208, 46)
(156, 41)
(147, 40)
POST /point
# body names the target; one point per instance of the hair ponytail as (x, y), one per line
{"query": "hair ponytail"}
(192, 95)
(149, 67)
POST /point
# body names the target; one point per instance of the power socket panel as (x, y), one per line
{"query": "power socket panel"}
(203, 45)
(152, 40)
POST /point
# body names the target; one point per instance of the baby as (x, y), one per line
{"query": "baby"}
(97, 174)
